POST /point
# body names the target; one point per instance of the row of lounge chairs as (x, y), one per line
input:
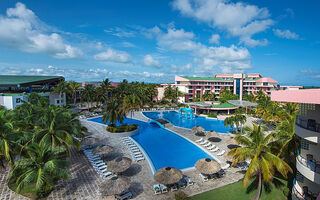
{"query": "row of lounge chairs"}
(89, 116)
(155, 109)
(97, 163)
(211, 147)
(136, 154)
(183, 183)
(206, 177)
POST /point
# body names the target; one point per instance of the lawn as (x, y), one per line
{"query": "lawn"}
(237, 192)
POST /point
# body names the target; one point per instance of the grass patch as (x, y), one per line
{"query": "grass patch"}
(237, 192)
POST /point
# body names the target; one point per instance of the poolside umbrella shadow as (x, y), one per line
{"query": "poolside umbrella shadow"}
(119, 164)
(207, 166)
(115, 185)
(232, 143)
(168, 175)
(214, 139)
(102, 150)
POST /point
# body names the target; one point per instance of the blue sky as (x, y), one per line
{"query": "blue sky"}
(152, 41)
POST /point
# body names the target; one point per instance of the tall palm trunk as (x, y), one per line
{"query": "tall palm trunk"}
(74, 98)
(257, 197)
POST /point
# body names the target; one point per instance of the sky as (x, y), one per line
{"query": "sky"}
(152, 41)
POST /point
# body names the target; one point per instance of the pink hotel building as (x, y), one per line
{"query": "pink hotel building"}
(240, 84)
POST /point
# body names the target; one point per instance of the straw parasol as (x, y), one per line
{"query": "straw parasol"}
(207, 166)
(101, 150)
(229, 157)
(119, 164)
(212, 134)
(90, 141)
(232, 141)
(168, 175)
(115, 185)
(197, 129)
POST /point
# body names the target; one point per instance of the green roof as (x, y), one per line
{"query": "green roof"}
(17, 79)
(193, 78)
(21, 94)
(251, 79)
(223, 105)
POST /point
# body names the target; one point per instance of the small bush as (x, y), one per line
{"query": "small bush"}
(180, 196)
(213, 115)
(286, 191)
(122, 128)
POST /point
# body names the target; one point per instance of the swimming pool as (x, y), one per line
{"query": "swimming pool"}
(206, 123)
(164, 147)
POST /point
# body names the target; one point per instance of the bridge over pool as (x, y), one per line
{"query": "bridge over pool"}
(160, 122)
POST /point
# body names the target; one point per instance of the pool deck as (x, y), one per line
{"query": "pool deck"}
(84, 182)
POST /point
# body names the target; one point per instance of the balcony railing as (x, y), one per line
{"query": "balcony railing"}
(311, 164)
(305, 196)
(308, 125)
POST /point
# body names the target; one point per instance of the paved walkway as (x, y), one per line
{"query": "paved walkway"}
(84, 181)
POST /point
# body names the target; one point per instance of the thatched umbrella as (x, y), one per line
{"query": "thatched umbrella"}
(168, 175)
(207, 166)
(115, 185)
(212, 134)
(232, 141)
(197, 129)
(119, 164)
(229, 157)
(89, 141)
(101, 150)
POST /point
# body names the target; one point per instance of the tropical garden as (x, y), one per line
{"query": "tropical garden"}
(35, 141)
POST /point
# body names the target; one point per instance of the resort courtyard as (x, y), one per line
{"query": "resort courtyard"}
(85, 183)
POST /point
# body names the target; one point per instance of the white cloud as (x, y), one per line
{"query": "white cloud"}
(228, 59)
(214, 39)
(149, 61)
(180, 69)
(239, 19)
(120, 32)
(287, 34)
(113, 56)
(21, 29)
(128, 44)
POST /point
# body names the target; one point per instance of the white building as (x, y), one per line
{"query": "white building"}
(307, 128)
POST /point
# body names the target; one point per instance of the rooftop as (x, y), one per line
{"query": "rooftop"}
(194, 78)
(20, 80)
(310, 96)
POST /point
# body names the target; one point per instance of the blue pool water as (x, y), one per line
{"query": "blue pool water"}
(164, 147)
(206, 123)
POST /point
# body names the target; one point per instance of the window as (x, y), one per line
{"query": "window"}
(299, 177)
(198, 87)
(304, 144)
(265, 84)
(58, 101)
(18, 100)
(178, 82)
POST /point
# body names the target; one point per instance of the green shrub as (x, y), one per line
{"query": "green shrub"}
(122, 128)
(213, 115)
(286, 191)
(180, 196)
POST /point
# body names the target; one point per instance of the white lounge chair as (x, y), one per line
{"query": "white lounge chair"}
(225, 167)
(215, 149)
(207, 145)
(211, 147)
(137, 153)
(138, 159)
(200, 140)
(156, 189)
(204, 178)
(188, 180)
(204, 142)
(221, 153)
(164, 189)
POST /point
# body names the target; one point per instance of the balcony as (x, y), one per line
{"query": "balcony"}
(308, 129)
(305, 195)
(309, 168)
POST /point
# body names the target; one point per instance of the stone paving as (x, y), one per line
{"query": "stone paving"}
(84, 181)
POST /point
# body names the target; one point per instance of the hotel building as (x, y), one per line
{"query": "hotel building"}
(14, 90)
(239, 84)
(307, 182)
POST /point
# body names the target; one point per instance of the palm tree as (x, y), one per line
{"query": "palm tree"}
(7, 137)
(257, 147)
(62, 87)
(58, 127)
(235, 120)
(42, 167)
(88, 94)
(113, 112)
(75, 88)
(131, 102)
